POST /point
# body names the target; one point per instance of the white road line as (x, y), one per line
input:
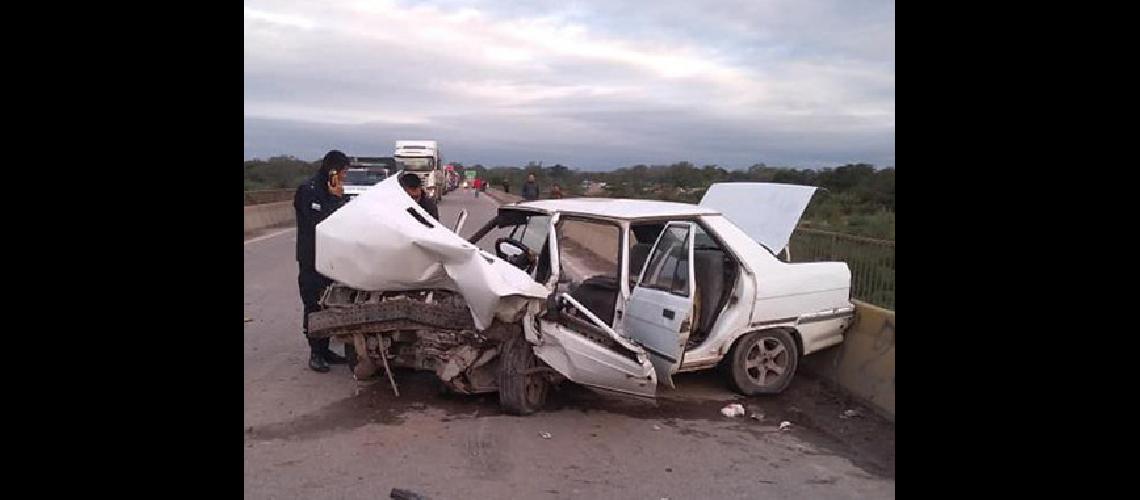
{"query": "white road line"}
(270, 235)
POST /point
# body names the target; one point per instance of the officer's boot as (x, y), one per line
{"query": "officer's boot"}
(317, 359)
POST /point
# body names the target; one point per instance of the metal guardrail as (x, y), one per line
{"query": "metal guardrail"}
(872, 261)
(268, 196)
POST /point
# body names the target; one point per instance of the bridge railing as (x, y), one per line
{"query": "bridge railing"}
(872, 261)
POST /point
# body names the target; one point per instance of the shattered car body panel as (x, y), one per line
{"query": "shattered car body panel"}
(384, 241)
(426, 330)
(583, 350)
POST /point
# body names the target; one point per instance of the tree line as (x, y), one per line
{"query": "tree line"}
(855, 198)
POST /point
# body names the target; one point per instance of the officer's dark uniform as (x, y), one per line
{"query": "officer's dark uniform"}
(429, 205)
(312, 204)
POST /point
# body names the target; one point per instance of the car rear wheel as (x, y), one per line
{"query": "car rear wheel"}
(763, 362)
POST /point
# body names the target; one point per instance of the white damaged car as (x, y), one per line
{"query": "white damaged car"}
(615, 294)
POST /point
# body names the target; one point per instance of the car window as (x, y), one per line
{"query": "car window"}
(668, 268)
(589, 254)
(533, 233)
(640, 240)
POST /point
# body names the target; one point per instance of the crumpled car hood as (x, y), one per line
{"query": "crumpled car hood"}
(376, 244)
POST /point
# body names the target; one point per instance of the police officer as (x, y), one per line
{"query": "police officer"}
(315, 200)
(414, 187)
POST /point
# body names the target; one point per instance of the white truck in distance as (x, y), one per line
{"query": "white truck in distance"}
(423, 159)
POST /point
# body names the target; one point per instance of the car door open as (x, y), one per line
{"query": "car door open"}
(659, 314)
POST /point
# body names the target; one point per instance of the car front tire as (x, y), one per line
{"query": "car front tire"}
(519, 393)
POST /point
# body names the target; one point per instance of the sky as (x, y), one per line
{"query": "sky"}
(589, 84)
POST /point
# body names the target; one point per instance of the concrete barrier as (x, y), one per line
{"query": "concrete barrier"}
(269, 215)
(501, 197)
(268, 196)
(864, 364)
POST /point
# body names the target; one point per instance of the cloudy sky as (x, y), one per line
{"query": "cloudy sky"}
(591, 84)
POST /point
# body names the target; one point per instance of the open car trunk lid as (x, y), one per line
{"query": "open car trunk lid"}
(767, 212)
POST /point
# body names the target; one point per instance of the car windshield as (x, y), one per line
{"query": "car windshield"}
(413, 163)
(363, 178)
(528, 228)
(533, 233)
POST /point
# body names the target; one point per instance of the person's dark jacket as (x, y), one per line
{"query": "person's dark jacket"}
(530, 190)
(312, 203)
(429, 205)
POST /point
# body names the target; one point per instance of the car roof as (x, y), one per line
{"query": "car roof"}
(617, 208)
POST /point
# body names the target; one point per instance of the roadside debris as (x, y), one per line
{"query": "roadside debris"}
(545, 435)
(785, 425)
(656, 427)
(248, 319)
(850, 414)
(733, 410)
(400, 494)
(757, 416)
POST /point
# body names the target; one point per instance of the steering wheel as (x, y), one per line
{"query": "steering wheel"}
(524, 260)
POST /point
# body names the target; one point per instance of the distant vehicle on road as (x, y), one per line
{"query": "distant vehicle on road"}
(366, 171)
(452, 177)
(360, 179)
(423, 158)
(386, 164)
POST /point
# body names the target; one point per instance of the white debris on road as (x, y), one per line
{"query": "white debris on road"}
(733, 410)
(785, 425)
(545, 435)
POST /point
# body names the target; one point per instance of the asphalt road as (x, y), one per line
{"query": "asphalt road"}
(312, 435)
